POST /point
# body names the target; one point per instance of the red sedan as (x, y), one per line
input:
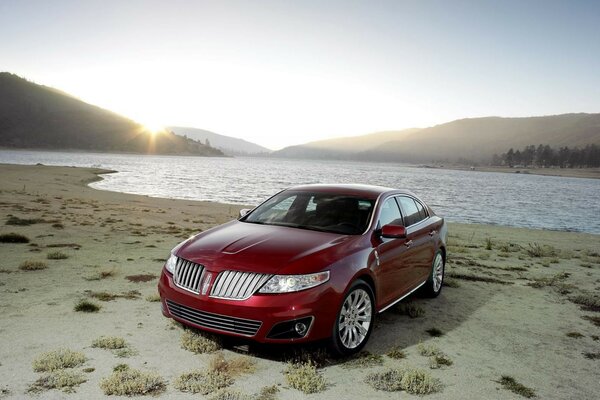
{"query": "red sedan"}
(312, 262)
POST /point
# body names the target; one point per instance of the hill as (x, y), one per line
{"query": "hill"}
(227, 144)
(343, 147)
(36, 116)
(473, 139)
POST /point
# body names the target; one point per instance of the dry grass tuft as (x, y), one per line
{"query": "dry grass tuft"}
(141, 278)
(439, 361)
(509, 383)
(396, 353)
(411, 380)
(428, 350)
(267, 393)
(364, 359)
(199, 342)
(450, 282)
(155, 297)
(109, 342)
(63, 380)
(106, 273)
(31, 265)
(57, 255)
(588, 302)
(409, 308)
(575, 335)
(592, 356)
(12, 220)
(305, 377)
(236, 366)
(228, 394)
(203, 382)
(107, 296)
(131, 382)
(87, 306)
(58, 359)
(593, 319)
(538, 250)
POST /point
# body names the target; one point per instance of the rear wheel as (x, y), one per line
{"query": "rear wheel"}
(434, 284)
(354, 322)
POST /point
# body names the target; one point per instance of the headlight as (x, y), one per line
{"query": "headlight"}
(294, 283)
(170, 265)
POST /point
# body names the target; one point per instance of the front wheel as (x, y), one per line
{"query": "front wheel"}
(433, 286)
(354, 322)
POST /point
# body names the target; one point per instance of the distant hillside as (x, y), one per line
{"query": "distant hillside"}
(35, 116)
(342, 148)
(474, 139)
(227, 144)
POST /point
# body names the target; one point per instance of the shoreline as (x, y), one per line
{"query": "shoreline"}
(503, 311)
(585, 173)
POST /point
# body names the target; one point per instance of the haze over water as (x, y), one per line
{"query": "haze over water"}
(459, 196)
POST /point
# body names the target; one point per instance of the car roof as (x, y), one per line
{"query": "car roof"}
(367, 191)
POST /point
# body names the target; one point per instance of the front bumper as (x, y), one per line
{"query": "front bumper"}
(255, 317)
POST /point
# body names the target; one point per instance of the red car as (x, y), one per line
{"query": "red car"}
(312, 262)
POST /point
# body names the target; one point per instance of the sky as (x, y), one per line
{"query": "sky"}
(279, 73)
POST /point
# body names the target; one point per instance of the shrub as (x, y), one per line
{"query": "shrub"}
(109, 342)
(87, 306)
(509, 383)
(477, 278)
(364, 359)
(587, 302)
(428, 350)
(412, 380)
(13, 238)
(305, 377)
(396, 353)
(488, 243)
(57, 255)
(131, 382)
(228, 394)
(64, 380)
(203, 382)
(30, 265)
(538, 250)
(575, 335)
(267, 393)
(450, 282)
(439, 361)
(199, 342)
(234, 367)
(58, 359)
(155, 297)
(106, 273)
(140, 278)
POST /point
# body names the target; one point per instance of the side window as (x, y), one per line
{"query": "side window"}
(422, 211)
(410, 210)
(390, 213)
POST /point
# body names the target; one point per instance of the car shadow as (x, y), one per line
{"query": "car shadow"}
(393, 329)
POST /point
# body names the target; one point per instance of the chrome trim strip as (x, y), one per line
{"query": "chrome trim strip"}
(403, 297)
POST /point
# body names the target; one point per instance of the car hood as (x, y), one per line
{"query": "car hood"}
(268, 249)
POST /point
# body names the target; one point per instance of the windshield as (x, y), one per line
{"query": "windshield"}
(325, 212)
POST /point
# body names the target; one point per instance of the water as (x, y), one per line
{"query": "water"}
(461, 196)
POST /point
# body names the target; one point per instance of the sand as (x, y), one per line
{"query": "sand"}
(490, 329)
(591, 173)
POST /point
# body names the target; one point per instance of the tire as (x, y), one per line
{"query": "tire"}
(355, 320)
(435, 282)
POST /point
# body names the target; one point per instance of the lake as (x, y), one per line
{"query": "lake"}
(522, 200)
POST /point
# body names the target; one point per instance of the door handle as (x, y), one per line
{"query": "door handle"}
(408, 243)
(432, 232)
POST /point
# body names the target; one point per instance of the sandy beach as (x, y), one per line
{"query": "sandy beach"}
(518, 303)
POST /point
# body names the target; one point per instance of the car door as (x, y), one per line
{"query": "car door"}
(419, 238)
(393, 271)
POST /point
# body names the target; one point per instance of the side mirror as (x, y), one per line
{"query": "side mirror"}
(393, 231)
(243, 212)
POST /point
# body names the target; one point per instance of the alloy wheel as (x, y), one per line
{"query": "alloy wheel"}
(355, 318)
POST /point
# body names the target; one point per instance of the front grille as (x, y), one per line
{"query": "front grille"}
(246, 327)
(187, 275)
(237, 285)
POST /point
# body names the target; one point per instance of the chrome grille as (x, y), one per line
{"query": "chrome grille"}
(246, 327)
(237, 285)
(187, 275)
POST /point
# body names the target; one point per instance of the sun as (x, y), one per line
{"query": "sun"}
(153, 128)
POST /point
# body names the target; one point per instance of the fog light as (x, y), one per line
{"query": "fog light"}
(300, 328)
